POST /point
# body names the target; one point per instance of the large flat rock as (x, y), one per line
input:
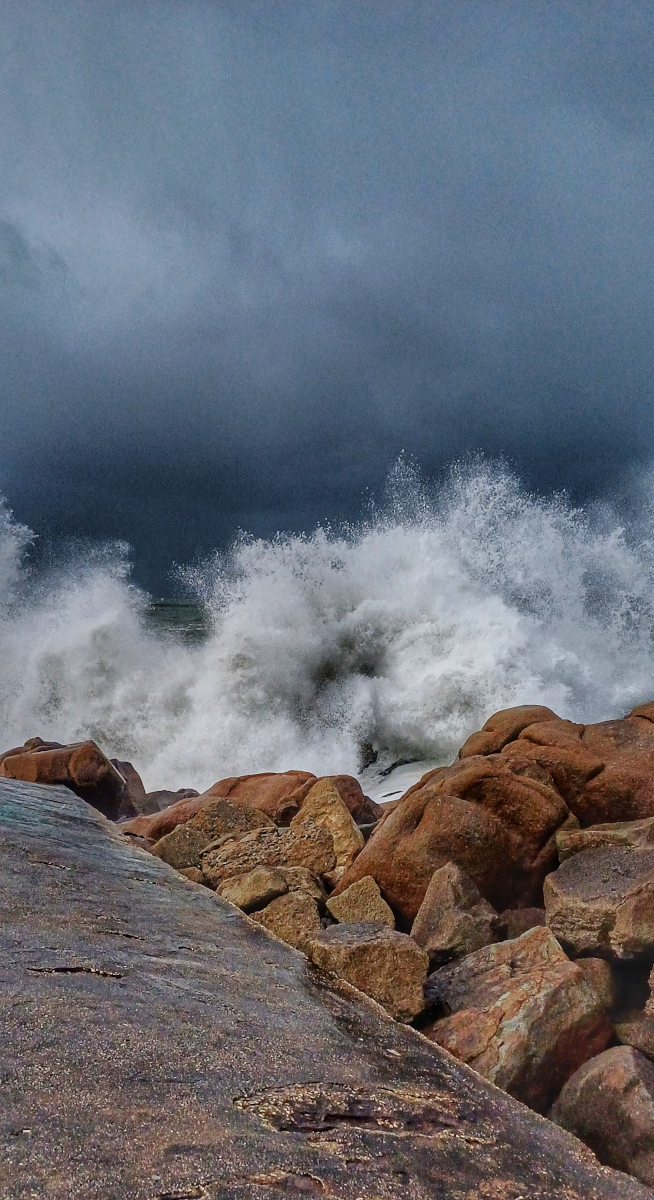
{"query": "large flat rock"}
(157, 1044)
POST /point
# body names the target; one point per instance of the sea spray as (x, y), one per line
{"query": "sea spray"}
(406, 632)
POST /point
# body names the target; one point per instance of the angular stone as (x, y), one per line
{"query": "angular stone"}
(254, 889)
(324, 807)
(219, 817)
(609, 1104)
(616, 833)
(310, 847)
(181, 848)
(294, 918)
(301, 879)
(494, 818)
(222, 816)
(521, 1014)
(602, 901)
(362, 901)
(385, 964)
(453, 919)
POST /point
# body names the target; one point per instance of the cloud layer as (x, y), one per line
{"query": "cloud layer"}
(250, 252)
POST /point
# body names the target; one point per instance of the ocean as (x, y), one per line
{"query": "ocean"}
(389, 640)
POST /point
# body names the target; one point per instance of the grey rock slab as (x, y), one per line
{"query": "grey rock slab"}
(158, 1044)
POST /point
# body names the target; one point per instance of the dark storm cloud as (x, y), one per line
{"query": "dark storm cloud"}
(249, 252)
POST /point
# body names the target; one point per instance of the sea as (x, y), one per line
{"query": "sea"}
(373, 649)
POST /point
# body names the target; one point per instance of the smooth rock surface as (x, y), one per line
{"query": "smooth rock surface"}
(386, 965)
(521, 1014)
(362, 901)
(602, 901)
(81, 766)
(453, 919)
(158, 1044)
(609, 1104)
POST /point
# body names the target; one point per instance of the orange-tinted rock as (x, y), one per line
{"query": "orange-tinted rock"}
(309, 846)
(135, 801)
(494, 818)
(384, 964)
(278, 794)
(161, 823)
(82, 767)
(605, 771)
(602, 901)
(614, 833)
(609, 1104)
(521, 1014)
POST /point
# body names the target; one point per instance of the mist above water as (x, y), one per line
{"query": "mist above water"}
(406, 632)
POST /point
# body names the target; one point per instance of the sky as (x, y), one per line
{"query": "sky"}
(250, 252)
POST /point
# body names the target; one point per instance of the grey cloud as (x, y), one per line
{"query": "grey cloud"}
(249, 252)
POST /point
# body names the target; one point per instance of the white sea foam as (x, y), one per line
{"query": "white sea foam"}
(407, 632)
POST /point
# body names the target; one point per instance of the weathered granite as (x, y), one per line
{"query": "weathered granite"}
(158, 1044)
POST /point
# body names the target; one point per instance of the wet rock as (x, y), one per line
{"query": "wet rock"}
(494, 818)
(135, 800)
(385, 964)
(521, 1014)
(605, 772)
(311, 847)
(181, 848)
(294, 918)
(81, 766)
(609, 1104)
(453, 919)
(616, 833)
(602, 901)
(362, 901)
(255, 889)
(515, 921)
(323, 806)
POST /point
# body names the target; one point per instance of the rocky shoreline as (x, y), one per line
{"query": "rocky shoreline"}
(504, 905)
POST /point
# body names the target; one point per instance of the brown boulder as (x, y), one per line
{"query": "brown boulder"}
(254, 889)
(609, 1104)
(282, 794)
(362, 901)
(181, 848)
(294, 918)
(323, 806)
(135, 801)
(605, 771)
(494, 818)
(301, 879)
(521, 1014)
(602, 901)
(386, 965)
(636, 1029)
(614, 833)
(515, 921)
(215, 817)
(81, 766)
(453, 919)
(310, 847)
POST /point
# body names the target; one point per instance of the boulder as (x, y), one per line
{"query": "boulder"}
(164, 798)
(310, 846)
(602, 902)
(301, 879)
(361, 808)
(294, 918)
(615, 833)
(521, 1014)
(135, 801)
(515, 921)
(254, 889)
(181, 848)
(282, 794)
(385, 964)
(605, 771)
(453, 919)
(324, 807)
(194, 874)
(82, 767)
(214, 816)
(494, 818)
(362, 901)
(609, 1104)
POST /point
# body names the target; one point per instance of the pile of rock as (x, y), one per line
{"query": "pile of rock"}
(504, 905)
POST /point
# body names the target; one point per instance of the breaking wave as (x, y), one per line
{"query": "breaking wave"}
(405, 632)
